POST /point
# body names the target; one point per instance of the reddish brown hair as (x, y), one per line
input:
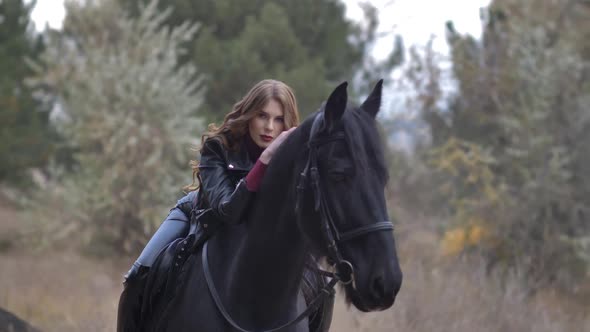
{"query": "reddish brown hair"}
(235, 125)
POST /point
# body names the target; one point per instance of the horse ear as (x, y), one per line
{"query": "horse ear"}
(373, 103)
(335, 105)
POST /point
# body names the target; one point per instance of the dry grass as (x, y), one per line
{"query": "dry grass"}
(464, 300)
(60, 291)
(458, 295)
(63, 291)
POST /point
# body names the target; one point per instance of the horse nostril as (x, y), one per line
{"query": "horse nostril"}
(378, 287)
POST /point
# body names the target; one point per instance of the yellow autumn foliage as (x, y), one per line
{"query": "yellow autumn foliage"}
(468, 165)
(471, 188)
(458, 239)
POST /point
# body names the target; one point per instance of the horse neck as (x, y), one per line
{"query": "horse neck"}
(272, 253)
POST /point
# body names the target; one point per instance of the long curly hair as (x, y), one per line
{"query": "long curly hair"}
(234, 127)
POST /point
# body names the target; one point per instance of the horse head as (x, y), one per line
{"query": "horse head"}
(341, 199)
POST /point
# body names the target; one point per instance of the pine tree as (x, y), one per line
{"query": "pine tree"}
(309, 44)
(24, 126)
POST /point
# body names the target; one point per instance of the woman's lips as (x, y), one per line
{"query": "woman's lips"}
(266, 138)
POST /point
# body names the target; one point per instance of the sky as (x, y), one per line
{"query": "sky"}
(50, 12)
(419, 20)
(416, 20)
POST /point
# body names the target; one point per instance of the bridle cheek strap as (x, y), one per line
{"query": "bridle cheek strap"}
(344, 269)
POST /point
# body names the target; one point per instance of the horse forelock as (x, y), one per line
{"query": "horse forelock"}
(363, 136)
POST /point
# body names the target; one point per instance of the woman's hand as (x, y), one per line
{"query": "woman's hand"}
(267, 154)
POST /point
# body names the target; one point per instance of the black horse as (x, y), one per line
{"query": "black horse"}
(9, 322)
(323, 194)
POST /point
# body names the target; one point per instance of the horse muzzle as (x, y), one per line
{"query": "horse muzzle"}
(376, 291)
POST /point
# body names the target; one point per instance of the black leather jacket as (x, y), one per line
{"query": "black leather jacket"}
(223, 182)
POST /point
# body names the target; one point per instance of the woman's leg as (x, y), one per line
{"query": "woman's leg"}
(131, 300)
(175, 225)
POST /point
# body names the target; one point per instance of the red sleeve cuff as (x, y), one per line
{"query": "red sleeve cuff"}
(254, 177)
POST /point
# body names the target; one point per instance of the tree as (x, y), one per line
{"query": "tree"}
(129, 114)
(25, 137)
(521, 119)
(306, 43)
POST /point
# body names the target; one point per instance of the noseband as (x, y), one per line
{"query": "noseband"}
(344, 269)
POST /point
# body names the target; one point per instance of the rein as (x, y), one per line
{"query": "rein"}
(344, 269)
(325, 291)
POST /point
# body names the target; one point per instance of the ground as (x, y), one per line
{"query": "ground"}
(62, 290)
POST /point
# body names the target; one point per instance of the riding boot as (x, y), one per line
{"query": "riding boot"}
(133, 272)
(176, 225)
(131, 300)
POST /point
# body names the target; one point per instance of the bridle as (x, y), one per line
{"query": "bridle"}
(344, 269)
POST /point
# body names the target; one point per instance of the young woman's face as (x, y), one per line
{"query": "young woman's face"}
(267, 124)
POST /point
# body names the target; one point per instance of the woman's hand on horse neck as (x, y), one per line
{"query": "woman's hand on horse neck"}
(268, 153)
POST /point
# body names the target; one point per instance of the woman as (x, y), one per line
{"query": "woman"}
(233, 160)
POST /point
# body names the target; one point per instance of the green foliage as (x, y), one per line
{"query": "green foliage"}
(523, 100)
(128, 113)
(306, 43)
(25, 138)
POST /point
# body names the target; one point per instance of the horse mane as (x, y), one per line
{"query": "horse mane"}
(289, 151)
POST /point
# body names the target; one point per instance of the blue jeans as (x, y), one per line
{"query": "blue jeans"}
(176, 225)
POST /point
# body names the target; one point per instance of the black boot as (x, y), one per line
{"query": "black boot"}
(134, 272)
(131, 301)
